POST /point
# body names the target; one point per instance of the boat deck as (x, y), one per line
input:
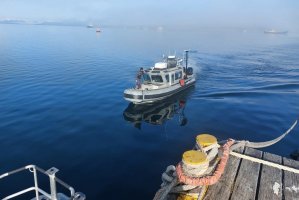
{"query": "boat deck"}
(244, 179)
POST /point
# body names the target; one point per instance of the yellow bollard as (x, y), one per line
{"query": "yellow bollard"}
(195, 163)
(205, 140)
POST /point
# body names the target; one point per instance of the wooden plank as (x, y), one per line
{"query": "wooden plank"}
(247, 179)
(270, 186)
(223, 188)
(291, 180)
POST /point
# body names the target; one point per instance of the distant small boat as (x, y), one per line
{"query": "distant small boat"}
(98, 30)
(89, 26)
(272, 31)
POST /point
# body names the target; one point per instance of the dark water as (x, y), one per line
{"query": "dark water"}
(61, 101)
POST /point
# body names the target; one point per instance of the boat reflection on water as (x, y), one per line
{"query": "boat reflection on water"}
(159, 112)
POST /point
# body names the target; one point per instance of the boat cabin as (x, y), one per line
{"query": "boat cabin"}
(167, 73)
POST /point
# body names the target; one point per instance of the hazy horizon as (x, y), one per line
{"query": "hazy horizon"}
(190, 13)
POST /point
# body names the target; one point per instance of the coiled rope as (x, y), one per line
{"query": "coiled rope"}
(206, 180)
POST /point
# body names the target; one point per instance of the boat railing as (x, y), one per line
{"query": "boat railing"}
(40, 194)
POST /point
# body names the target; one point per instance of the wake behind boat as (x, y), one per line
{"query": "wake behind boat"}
(166, 78)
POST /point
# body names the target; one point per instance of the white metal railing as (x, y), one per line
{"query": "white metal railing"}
(39, 193)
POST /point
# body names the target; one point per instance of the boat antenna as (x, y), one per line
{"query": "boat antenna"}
(186, 59)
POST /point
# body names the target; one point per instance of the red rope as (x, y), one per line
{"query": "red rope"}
(206, 180)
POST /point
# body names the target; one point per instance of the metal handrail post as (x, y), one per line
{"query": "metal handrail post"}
(36, 183)
(51, 172)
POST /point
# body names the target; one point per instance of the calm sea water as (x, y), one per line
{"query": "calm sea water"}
(61, 101)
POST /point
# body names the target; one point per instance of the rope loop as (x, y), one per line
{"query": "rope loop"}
(206, 180)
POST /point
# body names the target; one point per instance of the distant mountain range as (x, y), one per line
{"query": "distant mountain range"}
(11, 21)
(78, 23)
(118, 26)
(56, 23)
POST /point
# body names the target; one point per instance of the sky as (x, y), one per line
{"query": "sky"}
(224, 13)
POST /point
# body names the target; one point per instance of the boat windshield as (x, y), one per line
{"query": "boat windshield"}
(157, 79)
(146, 78)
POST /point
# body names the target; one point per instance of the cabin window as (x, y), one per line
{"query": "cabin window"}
(146, 78)
(167, 78)
(172, 78)
(157, 79)
(178, 75)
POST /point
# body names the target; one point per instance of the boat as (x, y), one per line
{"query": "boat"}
(89, 26)
(39, 190)
(98, 30)
(161, 81)
(273, 31)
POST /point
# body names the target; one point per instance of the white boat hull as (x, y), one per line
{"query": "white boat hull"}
(138, 96)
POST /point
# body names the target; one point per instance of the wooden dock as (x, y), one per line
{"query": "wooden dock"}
(247, 180)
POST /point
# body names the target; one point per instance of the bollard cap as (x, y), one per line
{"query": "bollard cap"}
(193, 157)
(188, 197)
(205, 140)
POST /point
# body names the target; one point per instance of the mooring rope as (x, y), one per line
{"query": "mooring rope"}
(245, 143)
(265, 162)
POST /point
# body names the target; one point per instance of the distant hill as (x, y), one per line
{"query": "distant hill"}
(53, 23)
(12, 21)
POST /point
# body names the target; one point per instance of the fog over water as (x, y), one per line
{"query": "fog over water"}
(278, 14)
